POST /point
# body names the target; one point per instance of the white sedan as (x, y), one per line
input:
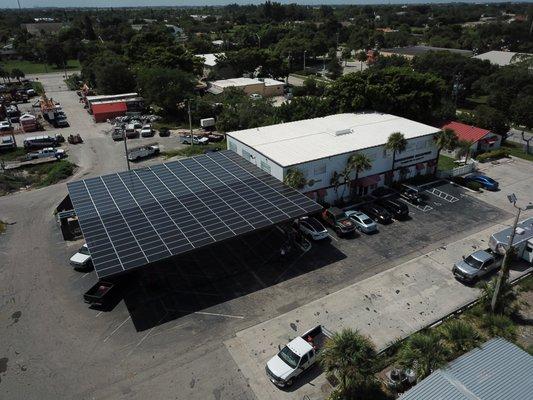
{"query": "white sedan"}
(82, 259)
(363, 222)
(311, 227)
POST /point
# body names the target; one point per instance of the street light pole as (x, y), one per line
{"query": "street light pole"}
(504, 271)
(126, 148)
(305, 52)
(190, 120)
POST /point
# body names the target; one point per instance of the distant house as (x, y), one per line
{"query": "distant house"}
(498, 370)
(264, 86)
(209, 61)
(412, 51)
(503, 58)
(482, 139)
(42, 28)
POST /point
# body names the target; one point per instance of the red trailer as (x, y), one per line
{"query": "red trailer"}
(104, 111)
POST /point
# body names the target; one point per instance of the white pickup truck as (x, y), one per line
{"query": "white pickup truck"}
(143, 152)
(49, 152)
(297, 356)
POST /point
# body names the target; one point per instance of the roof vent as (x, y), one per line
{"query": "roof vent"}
(343, 132)
(520, 231)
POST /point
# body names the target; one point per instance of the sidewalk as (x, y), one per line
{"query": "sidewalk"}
(386, 307)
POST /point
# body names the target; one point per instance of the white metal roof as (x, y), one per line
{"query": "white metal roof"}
(235, 82)
(501, 58)
(312, 139)
(210, 59)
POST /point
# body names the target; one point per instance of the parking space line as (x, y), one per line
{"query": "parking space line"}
(333, 237)
(116, 329)
(220, 315)
(443, 195)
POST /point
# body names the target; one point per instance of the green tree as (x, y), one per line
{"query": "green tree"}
(424, 353)
(397, 143)
(461, 336)
(508, 302)
(112, 76)
(295, 179)
(55, 55)
(17, 74)
(445, 140)
(358, 163)
(349, 357)
(166, 88)
(361, 57)
(465, 147)
(490, 118)
(334, 67)
(522, 111)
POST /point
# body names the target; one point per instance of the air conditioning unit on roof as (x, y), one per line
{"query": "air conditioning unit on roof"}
(343, 132)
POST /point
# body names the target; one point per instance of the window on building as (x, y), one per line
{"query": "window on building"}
(246, 155)
(265, 167)
(233, 146)
(320, 169)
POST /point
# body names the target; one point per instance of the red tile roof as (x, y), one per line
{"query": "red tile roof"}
(466, 132)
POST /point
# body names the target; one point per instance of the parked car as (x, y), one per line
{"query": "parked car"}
(411, 194)
(164, 132)
(398, 209)
(60, 122)
(256, 96)
(377, 213)
(143, 152)
(7, 142)
(313, 228)
(40, 142)
(131, 132)
(485, 181)
(117, 134)
(384, 191)
(82, 259)
(363, 222)
(476, 265)
(339, 221)
(195, 140)
(147, 131)
(49, 152)
(297, 356)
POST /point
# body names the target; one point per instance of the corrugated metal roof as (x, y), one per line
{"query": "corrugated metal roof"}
(312, 139)
(466, 132)
(501, 58)
(498, 370)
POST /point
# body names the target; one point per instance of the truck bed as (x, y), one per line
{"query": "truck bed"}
(319, 336)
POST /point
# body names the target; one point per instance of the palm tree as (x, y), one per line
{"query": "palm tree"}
(461, 336)
(446, 139)
(349, 357)
(295, 179)
(424, 353)
(359, 162)
(17, 74)
(464, 148)
(508, 302)
(397, 143)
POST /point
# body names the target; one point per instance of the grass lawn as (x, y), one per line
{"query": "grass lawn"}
(29, 67)
(517, 150)
(12, 155)
(446, 163)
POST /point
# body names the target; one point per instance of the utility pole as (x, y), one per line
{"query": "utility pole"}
(305, 52)
(258, 40)
(190, 119)
(126, 148)
(504, 271)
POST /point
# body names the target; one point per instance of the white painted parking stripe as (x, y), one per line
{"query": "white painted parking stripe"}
(220, 315)
(333, 237)
(117, 328)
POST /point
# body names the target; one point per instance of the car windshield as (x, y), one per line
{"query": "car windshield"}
(289, 357)
(84, 250)
(313, 223)
(473, 262)
(367, 221)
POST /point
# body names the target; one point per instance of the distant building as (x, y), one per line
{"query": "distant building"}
(218, 43)
(264, 86)
(503, 58)
(320, 148)
(412, 51)
(482, 139)
(498, 370)
(209, 61)
(42, 28)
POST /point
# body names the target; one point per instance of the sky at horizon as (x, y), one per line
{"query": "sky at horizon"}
(156, 3)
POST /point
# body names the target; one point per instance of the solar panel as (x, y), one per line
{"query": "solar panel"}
(133, 218)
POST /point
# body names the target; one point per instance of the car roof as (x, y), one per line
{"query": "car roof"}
(299, 346)
(313, 222)
(481, 255)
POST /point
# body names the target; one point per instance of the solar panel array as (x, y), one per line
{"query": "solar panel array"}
(133, 218)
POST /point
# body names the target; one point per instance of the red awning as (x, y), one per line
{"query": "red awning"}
(367, 181)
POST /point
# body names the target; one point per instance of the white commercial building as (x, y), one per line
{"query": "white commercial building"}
(320, 147)
(264, 86)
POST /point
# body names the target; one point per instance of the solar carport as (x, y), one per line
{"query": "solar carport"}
(134, 218)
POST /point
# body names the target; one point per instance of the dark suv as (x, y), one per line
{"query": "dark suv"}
(398, 209)
(339, 221)
(377, 213)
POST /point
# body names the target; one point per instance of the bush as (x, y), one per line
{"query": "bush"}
(61, 170)
(73, 82)
(492, 155)
(474, 186)
(499, 325)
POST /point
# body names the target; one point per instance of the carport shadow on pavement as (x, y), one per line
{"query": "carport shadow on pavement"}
(186, 284)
